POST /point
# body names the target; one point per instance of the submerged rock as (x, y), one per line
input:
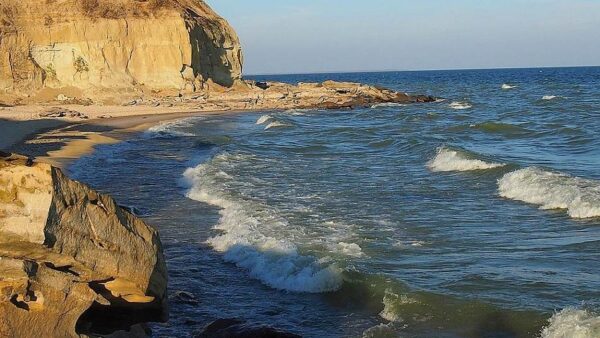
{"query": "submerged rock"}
(71, 260)
(231, 327)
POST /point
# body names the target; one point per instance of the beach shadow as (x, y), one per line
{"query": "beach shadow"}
(14, 132)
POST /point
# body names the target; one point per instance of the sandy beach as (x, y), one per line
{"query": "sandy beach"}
(59, 141)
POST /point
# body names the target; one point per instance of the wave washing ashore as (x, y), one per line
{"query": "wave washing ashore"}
(414, 221)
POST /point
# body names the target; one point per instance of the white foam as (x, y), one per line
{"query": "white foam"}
(169, 128)
(460, 105)
(277, 124)
(380, 331)
(549, 97)
(264, 119)
(408, 244)
(506, 86)
(573, 323)
(387, 105)
(453, 160)
(348, 249)
(248, 236)
(391, 302)
(551, 190)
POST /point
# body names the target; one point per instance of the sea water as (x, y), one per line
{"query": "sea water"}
(474, 216)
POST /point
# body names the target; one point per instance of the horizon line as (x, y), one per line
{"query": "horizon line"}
(415, 70)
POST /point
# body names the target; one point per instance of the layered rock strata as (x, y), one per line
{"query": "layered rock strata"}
(82, 48)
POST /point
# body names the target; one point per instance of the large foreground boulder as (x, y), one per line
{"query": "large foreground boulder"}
(71, 260)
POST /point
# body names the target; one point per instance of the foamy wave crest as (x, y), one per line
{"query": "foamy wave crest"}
(348, 249)
(550, 190)
(573, 323)
(277, 124)
(453, 160)
(387, 105)
(246, 238)
(391, 304)
(264, 119)
(170, 128)
(506, 86)
(460, 105)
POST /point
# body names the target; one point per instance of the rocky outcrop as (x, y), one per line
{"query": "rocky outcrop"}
(277, 95)
(71, 260)
(84, 48)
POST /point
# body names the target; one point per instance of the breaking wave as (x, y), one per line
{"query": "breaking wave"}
(277, 124)
(387, 105)
(171, 128)
(573, 323)
(264, 119)
(551, 190)
(457, 105)
(246, 236)
(549, 97)
(453, 160)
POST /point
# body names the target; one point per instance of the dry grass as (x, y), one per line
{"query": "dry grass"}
(118, 9)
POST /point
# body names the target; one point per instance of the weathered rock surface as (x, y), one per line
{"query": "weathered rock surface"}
(69, 49)
(71, 260)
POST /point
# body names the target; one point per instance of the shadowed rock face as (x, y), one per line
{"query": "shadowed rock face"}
(70, 258)
(78, 47)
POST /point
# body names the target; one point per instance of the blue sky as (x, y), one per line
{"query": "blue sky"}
(300, 36)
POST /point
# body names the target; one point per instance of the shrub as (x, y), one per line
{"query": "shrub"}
(80, 65)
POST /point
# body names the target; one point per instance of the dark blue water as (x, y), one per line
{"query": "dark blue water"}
(475, 216)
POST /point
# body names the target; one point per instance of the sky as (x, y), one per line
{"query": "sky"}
(310, 36)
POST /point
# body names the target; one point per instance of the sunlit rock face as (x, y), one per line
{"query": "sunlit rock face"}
(71, 260)
(86, 47)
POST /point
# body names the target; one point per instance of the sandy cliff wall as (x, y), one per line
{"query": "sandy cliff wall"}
(89, 46)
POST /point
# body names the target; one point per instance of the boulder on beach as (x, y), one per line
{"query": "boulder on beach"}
(72, 262)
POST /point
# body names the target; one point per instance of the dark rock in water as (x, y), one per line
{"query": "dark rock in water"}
(262, 85)
(185, 297)
(424, 99)
(230, 328)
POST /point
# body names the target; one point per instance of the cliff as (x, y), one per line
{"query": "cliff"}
(91, 48)
(71, 260)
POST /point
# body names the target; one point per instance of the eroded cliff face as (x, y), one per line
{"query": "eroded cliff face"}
(86, 47)
(71, 260)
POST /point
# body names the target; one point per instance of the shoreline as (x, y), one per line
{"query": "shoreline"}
(60, 142)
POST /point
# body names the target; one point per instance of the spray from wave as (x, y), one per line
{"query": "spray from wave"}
(573, 323)
(453, 160)
(247, 236)
(551, 190)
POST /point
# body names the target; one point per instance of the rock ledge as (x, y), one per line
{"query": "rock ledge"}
(71, 260)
